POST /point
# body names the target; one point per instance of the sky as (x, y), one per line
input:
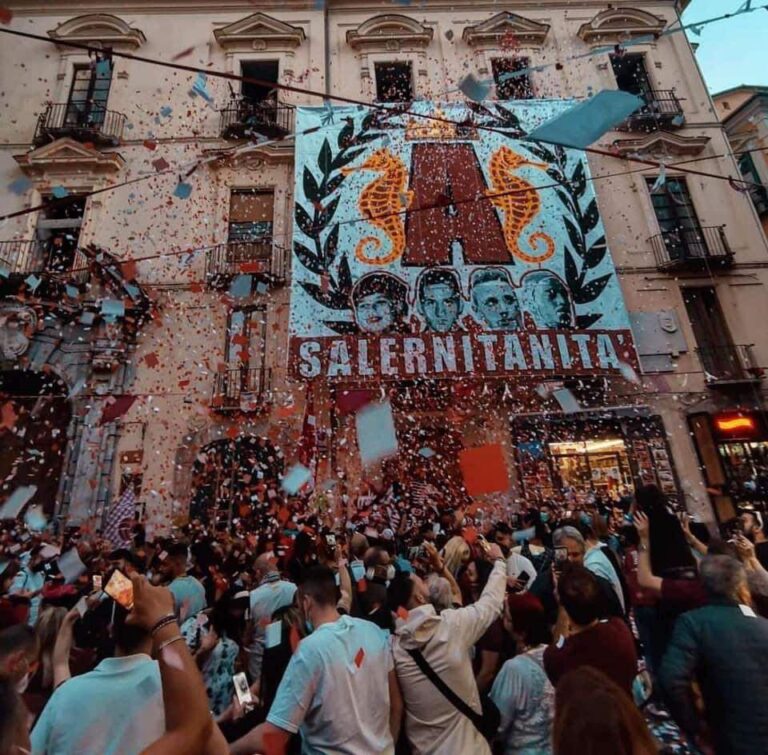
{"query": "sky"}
(733, 51)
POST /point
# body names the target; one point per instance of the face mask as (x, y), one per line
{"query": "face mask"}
(585, 518)
(545, 517)
(309, 626)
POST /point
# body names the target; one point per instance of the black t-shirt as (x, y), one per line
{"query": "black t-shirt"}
(761, 551)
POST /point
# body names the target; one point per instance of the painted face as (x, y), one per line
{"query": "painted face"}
(553, 307)
(375, 313)
(496, 303)
(441, 306)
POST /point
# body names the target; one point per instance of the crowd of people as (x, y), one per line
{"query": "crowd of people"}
(618, 628)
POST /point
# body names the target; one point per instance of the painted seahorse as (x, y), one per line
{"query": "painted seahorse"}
(381, 201)
(520, 207)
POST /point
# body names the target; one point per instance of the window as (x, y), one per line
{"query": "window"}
(264, 70)
(511, 87)
(758, 193)
(246, 337)
(631, 73)
(394, 82)
(715, 346)
(250, 215)
(677, 219)
(59, 228)
(87, 102)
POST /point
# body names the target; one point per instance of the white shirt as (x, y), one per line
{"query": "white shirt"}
(272, 594)
(432, 723)
(336, 690)
(116, 709)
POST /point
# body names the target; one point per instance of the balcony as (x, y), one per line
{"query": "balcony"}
(260, 258)
(703, 248)
(104, 128)
(23, 258)
(243, 119)
(662, 109)
(242, 389)
(729, 366)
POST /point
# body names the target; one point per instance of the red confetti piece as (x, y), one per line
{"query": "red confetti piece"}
(183, 53)
(151, 360)
(8, 416)
(128, 268)
(150, 144)
(359, 657)
(160, 164)
(362, 586)
(5, 16)
(402, 613)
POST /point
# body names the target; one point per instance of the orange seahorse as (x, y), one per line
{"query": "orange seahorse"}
(381, 201)
(518, 208)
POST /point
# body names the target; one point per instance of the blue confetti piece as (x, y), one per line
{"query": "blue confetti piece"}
(112, 307)
(427, 453)
(33, 282)
(474, 89)
(695, 30)
(200, 87)
(240, 287)
(376, 436)
(72, 291)
(20, 186)
(59, 192)
(585, 123)
(166, 111)
(295, 479)
(183, 190)
(133, 291)
(4, 272)
(16, 501)
(87, 318)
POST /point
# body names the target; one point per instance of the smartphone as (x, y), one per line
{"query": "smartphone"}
(97, 582)
(523, 577)
(561, 556)
(330, 541)
(120, 589)
(242, 690)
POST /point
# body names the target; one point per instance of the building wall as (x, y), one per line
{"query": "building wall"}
(174, 417)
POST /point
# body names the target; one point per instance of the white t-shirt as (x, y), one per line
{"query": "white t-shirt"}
(267, 598)
(116, 709)
(336, 690)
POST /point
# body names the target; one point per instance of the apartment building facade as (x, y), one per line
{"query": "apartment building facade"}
(150, 245)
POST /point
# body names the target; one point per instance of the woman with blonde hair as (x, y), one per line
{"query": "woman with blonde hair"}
(455, 554)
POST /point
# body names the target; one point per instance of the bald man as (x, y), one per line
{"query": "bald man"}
(271, 594)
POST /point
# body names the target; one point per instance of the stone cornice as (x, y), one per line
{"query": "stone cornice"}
(661, 143)
(259, 31)
(390, 31)
(617, 25)
(527, 32)
(105, 28)
(68, 157)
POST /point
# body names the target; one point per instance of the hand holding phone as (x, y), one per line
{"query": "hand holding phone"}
(243, 691)
(120, 589)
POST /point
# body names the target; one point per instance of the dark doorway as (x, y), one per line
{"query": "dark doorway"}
(36, 406)
(264, 70)
(394, 82)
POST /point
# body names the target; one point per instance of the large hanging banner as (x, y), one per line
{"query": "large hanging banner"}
(439, 248)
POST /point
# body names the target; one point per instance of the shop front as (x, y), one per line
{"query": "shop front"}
(560, 458)
(733, 451)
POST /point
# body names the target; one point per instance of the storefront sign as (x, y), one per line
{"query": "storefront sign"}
(448, 246)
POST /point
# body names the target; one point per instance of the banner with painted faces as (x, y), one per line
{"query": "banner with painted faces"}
(440, 243)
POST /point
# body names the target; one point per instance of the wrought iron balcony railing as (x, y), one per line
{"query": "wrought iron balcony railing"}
(662, 108)
(243, 389)
(730, 364)
(244, 118)
(692, 248)
(260, 258)
(80, 121)
(24, 258)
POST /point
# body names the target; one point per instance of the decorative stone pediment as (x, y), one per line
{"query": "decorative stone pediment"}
(255, 157)
(259, 32)
(491, 32)
(66, 156)
(103, 28)
(389, 32)
(615, 26)
(661, 143)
